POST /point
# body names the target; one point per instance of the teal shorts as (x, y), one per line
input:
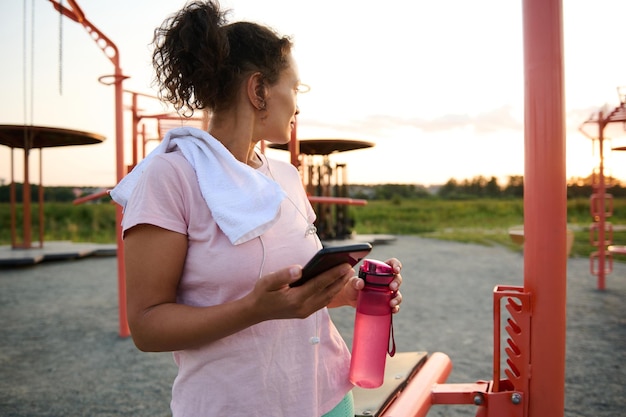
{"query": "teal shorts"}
(344, 409)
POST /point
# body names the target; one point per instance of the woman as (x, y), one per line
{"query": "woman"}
(215, 232)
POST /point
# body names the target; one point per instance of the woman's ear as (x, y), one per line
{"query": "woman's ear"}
(257, 91)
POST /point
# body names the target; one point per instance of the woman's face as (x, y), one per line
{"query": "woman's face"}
(281, 106)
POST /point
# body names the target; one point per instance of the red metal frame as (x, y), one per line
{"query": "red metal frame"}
(545, 204)
(138, 117)
(26, 242)
(417, 397)
(536, 323)
(493, 398)
(601, 202)
(110, 50)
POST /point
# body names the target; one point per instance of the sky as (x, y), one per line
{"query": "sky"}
(437, 86)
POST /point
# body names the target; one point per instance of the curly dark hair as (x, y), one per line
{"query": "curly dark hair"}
(201, 60)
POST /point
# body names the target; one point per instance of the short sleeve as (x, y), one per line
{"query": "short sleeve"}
(159, 197)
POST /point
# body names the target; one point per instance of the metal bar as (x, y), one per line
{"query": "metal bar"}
(601, 214)
(144, 141)
(619, 249)
(416, 398)
(13, 201)
(337, 200)
(41, 217)
(26, 199)
(545, 208)
(497, 339)
(464, 393)
(294, 147)
(135, 131)
(90, 197)
(112, 53)
(124, 330)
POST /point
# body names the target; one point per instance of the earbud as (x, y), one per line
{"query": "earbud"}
(314, 340)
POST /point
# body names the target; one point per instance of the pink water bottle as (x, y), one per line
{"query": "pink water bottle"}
(372, 325)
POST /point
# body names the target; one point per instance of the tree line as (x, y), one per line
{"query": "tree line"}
(58, 194)
(477, 187)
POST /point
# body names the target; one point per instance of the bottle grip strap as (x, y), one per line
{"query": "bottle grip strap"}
(391, 348)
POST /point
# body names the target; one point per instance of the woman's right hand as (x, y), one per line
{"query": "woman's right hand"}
(273, 298)
(154, 263)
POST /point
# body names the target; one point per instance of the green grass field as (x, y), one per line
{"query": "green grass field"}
(64, 221)
(481, 221)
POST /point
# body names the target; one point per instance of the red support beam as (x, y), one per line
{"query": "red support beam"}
(75, 13)
(417, 398)
(545, 203)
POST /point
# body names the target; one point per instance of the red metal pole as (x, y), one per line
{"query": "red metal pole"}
(111, 51)
(143, 140)
(26, 220)
(294, 147)
(41, 219)
(135, 131)
(545, 205)
(13, 201)
(124, 330)
(601, 208)
(417, 397)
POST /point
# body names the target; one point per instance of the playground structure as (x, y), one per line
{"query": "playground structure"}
(601, 201)
(27, 138)
(326, 182)
(535, 318)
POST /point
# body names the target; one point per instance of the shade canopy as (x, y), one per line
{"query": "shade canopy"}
(36, 137)
(326, 146)
(19, 136)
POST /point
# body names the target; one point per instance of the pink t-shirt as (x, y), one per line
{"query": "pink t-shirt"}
(269, 369)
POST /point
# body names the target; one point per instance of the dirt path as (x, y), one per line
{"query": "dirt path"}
(60, 354)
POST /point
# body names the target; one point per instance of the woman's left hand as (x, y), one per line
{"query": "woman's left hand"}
(349, 294)
(394, 286)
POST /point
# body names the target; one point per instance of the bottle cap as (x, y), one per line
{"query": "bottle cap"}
(376, 272)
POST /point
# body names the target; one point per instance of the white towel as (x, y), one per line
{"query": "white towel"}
(243, 201)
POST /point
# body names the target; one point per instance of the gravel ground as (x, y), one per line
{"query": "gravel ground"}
(60, 354)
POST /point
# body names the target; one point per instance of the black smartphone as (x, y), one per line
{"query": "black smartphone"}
(332, 256)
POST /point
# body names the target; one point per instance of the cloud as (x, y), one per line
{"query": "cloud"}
(504, 119)
(497, 120)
